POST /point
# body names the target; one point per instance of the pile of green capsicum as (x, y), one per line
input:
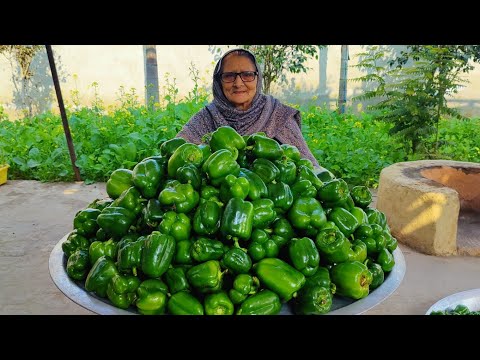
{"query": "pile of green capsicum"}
(237, 225)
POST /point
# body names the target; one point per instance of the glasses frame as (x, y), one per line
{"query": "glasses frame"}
(238, 74)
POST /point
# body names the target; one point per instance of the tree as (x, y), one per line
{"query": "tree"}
(416, 98)
(151, 76)
(277, 60)
(23, 54)
(31, 77)
(342, 88)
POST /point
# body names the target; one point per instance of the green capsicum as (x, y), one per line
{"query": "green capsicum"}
(129, 255)
(279, 276)
(359, 251)
(307, 213)
(182, 197)
(345, 221)
(258, 189)
(210, 193)
(263, 245)
(386, 260)
(305, 162)
(265, 169)
(233, 186)
(189, 174)
(204, 249)
(313, 300)
(225, 137)
(281, 228)
(391, 243)
(100, 204)
(151, 297)
(305, 173)
(303, 188)
(168, 147)
(291, 152)
(97, 248)
(321, 278)
(220, 164)
(265, 302)
(183, 253)
(361, 195)
(218, 304)
(157, 254)
(237, 261)
(176, 279)
(352, 279)
(288, 171)
(375, 216)
(119, 181)
(360, 215)
(206, 277)
(122, 290)
(187, 153)
(378, 275)
(263, 213)
(78, 264)
(100, 275)
(147, 177)
(206, 150)
(333, 246)
(85, 222)
(206, 220)
(243, 286)
(333, 191)
(115, 220)
(237, 219)
(363, 231)
(184, 303)
(74, 242)
(176, 225)
(130, 199)
(281, 195)
(304, 255)
(263, 147)
(152, 213)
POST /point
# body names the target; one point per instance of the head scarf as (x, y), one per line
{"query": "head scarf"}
(266, 114)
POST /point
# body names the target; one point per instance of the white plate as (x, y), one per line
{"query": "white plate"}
(341, 306)
(469, 298)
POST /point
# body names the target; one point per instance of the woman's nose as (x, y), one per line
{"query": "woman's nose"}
(238, 81)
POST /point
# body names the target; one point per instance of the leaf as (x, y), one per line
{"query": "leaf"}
(31, 163)
(19, 161)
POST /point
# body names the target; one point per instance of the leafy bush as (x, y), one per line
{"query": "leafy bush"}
(354, 147)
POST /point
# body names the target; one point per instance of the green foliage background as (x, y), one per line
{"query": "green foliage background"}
(354, 147)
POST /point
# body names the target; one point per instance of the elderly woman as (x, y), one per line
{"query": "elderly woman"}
(238, 102)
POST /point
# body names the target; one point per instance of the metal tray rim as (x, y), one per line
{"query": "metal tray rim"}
(469, 298)
(341, 306)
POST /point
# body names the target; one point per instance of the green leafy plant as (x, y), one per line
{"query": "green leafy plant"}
(414, 97)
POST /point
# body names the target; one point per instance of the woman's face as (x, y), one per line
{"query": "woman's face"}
(240, 93)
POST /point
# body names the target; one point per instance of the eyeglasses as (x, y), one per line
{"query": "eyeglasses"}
(247, 76)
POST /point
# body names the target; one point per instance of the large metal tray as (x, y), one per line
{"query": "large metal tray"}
(469, 298)
(341, 306)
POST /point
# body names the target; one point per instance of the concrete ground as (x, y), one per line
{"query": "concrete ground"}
(34, 216)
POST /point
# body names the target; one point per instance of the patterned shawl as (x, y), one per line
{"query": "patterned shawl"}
(266, 114)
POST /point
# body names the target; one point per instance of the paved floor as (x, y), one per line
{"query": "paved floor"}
(34, 216)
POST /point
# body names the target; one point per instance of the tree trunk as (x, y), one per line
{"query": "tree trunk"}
(322, 87)
(342, 91)
(151, 76)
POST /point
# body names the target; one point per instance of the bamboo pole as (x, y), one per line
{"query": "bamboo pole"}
(63, 114)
